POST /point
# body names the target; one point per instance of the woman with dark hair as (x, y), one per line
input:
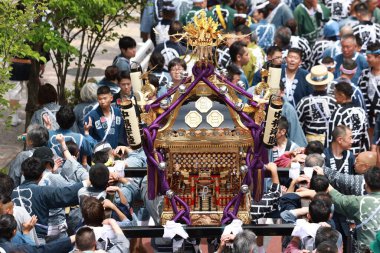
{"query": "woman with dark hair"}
(47, 100)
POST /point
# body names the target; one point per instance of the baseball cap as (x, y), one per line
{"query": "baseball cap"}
(45, 155)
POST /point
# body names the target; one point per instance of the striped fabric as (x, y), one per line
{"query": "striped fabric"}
(368, 32)
(318, 49)
(339, 8)
(314, 113)
(372, 101)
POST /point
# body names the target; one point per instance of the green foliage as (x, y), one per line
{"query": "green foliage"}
(92, 22)
(17, 29)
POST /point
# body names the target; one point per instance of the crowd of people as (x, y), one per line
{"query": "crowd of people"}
(67, 191)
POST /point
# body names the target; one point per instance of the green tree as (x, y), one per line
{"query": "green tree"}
(16, 30)
(92, 22)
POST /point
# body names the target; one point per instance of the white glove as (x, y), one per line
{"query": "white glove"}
(172, 228)
(233, 228)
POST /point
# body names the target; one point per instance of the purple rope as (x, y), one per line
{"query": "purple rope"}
(240, 90)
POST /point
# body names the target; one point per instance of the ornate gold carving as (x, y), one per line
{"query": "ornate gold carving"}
(203, 104)
(193, 119)
(215, 118)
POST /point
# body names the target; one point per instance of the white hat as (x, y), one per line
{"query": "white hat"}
(319, 75)
(261, 5)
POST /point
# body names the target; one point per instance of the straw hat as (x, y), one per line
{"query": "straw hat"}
(319, 75)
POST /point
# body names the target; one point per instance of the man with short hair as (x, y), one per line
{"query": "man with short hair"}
(36, 136)
(66, 119)
(338, 155)
(314, 111)
(106, 120)
(274, 56)
(294, 77)
(304, 233)
(283, 144)
(240, 57)
(284, 39)
(349, 51)
(127, 47)
(353, 117)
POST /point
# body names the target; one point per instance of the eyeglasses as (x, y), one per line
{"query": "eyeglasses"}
(176, 70)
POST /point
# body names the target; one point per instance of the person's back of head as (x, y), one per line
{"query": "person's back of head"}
(339, 131)
(153, 80)
(73, 148)
(175, 28)
(327, 60)
(328, 234)
(65, 117)
(244, 242)
(327, 247)
(127, 42)
(111, 73)
(319, 183)
(314, 159)
(47, 94)
(349, 64)
(319, 211)
(6, 184)
(8, 226)
(85, 239)
(99, 176)
(314, 147)
(292, 25)
(345, 89)
(325, 197)
(372, 179)
(37, 136)
(6, 204)
(45, 155)
(362, 11)
(157, 61)
(92, 211)
(32, 169)
(282, 36)
(88, 92)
